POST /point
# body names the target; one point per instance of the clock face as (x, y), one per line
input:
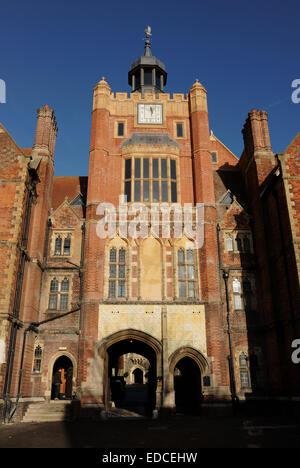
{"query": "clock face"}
(150, 114)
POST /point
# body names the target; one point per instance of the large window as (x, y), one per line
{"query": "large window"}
(59, 294)
(186, 273)
(117, 273)
(151, 180)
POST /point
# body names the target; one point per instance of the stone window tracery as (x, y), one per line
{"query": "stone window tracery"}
(62, 244)
(117, 272)
(186, 273)
(238, 241)
(37, 361)
(244, 372)
(151, 180)
(59, 294)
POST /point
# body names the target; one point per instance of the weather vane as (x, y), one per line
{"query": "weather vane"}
(148, 34)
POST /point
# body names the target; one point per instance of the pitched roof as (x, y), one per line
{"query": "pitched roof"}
(69, 186)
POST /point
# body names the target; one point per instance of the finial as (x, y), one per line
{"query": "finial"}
(147, 51)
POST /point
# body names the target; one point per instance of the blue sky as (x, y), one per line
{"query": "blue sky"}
(246, 54)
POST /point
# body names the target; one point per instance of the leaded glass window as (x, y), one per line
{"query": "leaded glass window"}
(151, 180)
(117, 273)
(186, 273)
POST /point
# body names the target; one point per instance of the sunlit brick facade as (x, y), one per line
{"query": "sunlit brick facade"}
(221, 316)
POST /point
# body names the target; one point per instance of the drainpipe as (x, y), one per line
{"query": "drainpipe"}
(234, 397)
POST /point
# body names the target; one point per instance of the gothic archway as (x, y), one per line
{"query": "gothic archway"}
(124, 342)
(187, 366)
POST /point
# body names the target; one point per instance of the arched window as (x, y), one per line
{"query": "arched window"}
(117, 272)
(65, 285)
(229, 243)
(244, 373)
(58, 245)
(186, 273)
(67, 246)
(237, 299)
(37, 362)
(53, 297)
(54, 285)
(243, 360)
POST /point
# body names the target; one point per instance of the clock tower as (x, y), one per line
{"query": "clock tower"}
(155, 296)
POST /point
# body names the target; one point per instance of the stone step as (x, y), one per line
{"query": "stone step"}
(50, 409)
(42, 412)
(45, 418)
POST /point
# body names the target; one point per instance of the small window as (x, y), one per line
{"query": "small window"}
(244, 376)
(120, 129)
(229, 244)
(236, 286)
(179, 130)
(186, 273)
(117, 273)
(214, 157)
(237, 298)
(37, 362)
(65, 285)
(58, 245)
(67, 246)
(54, 285)
(243, 360)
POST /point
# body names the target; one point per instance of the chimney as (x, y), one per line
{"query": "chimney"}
(257, 143)
(45, 135)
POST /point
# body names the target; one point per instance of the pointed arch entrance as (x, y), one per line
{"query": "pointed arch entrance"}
(138, 376)
(187, 366)
(62, 377)
(131, 341)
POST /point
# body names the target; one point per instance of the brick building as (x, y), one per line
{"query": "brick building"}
(214, 322)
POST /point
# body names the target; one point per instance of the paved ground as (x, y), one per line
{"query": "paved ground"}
(179, 432)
